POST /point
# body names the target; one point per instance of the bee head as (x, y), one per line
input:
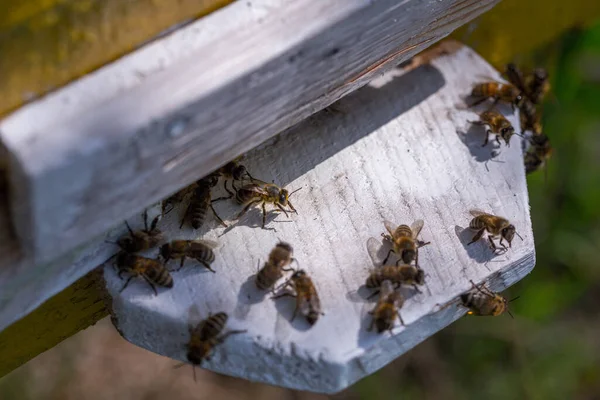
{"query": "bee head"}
(286, 246)
(382, 325)
(194, 357)
(165, 251)
(299, 274)
(507, 133)
(239, 173)
(508, 233)
(420, 277)
(126, 244)
(283, 197)
(209, 181)
(408, 256)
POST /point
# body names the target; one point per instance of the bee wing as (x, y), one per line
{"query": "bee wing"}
(256, 188)
(476, 212)
(390, 226)
(416, 227)
(209, 243)
(373, 248)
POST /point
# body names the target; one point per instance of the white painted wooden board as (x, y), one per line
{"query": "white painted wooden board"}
(123, 137)
(398, 149)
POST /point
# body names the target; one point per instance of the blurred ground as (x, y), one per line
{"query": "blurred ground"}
(551, 350)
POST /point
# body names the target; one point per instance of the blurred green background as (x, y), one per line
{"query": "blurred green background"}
(551, 350)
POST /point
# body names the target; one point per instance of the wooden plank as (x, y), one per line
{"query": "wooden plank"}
(47, 43)
(238, 89)
(63, 315)
(398, 149)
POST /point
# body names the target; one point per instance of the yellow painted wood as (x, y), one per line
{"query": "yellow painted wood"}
(74, 309)
(45, 44)
(516, 27)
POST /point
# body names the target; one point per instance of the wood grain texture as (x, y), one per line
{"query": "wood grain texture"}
(47, 43)
(398, 149)
(74, 309)
(135, 140)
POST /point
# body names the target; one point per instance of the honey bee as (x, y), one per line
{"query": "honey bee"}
(233, 171)
(497, 124)
(168, 204)
(481, 301)
(495, 226)
(535, 85)
(200, 203)
(402, 274)
(153, 271)
(307, 299)
(387, 308)
(530, 118)
(404, 241)
(199, 250)
(272, 270)
(255, 193)
(205, 336)
(143, 239)
(538, 153)
(504, 92)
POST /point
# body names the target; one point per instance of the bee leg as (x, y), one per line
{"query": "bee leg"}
(181, 263)
(187, 210)
(145, 218)
(217, 216)
(487, 138)
(151, 284)
(227, 189)
(245, 210)
(127, 283)
(207, 265)
(286, 294)
(416, 288)
(264, 217)
(477, 236)
(387, 257)
(284, 210)
(154, 223)
(292, 207)
(401, 320)
(129, 229)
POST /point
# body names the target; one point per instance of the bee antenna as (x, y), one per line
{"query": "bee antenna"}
(509, 313)
(520, 237)
(513, 299)
(290, 195)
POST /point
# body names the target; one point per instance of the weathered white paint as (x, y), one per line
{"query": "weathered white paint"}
(118, 140)
(398, 149)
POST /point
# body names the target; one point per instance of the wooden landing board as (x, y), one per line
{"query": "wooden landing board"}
(398, 149)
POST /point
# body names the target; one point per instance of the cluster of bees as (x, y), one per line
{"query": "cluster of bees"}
(405, 245)
(253, 192)
(526, 92)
